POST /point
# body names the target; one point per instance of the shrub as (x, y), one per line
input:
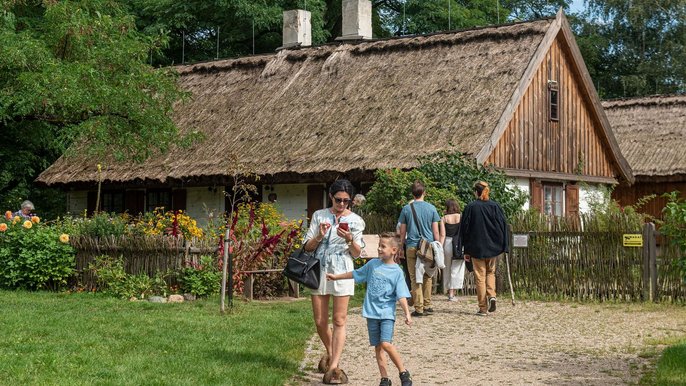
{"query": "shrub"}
(113, 280)
(201, 279)
(101, 225)
(674, 226)
(173, 223)
(33, 257)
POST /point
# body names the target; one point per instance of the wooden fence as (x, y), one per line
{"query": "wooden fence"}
(141, 254)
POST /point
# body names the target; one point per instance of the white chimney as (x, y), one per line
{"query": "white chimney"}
(357, 20)
(297, 29)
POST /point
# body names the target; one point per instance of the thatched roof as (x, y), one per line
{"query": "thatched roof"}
(651, 133)
(339, 107)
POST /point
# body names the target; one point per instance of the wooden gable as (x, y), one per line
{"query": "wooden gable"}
(574, 144)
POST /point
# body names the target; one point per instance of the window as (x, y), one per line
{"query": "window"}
(158, 199)
(553, 101)
(112, 202)
(552, 199)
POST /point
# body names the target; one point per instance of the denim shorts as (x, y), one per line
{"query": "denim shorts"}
(380, 330)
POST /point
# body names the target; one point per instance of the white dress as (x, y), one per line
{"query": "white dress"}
(453, 273)
(332, 252)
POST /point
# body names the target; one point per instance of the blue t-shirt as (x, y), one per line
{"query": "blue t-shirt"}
(385, 285)
(426, 214)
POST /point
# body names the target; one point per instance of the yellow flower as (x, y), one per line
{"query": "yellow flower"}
(3, 227)
(35, 219)
(64, 238)
(28, 224)
(16, 219)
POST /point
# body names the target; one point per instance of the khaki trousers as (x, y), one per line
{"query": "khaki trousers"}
(421, 293)
(484, 278)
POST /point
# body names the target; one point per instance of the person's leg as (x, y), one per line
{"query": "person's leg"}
(340, 314)
(393, 355)
(386, 337)
(416, 289)
(490, 276)
(381, 360)
(445, 277)
(457, 275)
(320, 311)
(480, 282)
(427, 287)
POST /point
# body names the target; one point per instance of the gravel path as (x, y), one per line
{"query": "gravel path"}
(532, 343)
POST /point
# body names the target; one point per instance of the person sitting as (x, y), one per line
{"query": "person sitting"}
(25, 211)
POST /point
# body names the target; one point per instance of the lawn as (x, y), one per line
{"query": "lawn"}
(671, 367)
(77, 339)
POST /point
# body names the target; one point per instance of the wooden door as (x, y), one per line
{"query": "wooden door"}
(315, 199)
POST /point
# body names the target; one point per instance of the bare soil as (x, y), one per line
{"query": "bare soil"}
(531, 343)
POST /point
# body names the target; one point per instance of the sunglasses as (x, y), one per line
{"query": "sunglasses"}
(342, 200)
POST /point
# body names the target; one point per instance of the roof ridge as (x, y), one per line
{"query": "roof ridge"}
(648, 100)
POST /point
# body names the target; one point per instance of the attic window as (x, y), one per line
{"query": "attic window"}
(553, 101)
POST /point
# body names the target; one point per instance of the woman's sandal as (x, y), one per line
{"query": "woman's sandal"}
(323, 364)
(335, 377)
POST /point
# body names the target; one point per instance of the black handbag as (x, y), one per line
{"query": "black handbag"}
(303, 267)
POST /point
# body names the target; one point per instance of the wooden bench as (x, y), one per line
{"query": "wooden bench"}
(293, 288)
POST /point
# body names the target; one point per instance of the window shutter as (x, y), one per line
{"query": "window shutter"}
(179, 199)
(572, 200)
(537, 195)
(90, 202)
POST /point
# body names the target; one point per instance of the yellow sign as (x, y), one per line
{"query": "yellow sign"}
(632, 240)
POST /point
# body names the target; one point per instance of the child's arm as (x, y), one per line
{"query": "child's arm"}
(406, 310)
(340, 276)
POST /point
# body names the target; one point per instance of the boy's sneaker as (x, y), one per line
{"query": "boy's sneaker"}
(405, 378)
(385, 382)
(491, 304)
(481, 313)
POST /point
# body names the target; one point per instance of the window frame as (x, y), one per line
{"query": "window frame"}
(553, 87)
(150, 206)
(555, 186)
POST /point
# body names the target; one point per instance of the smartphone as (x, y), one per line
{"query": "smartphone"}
(344, 226)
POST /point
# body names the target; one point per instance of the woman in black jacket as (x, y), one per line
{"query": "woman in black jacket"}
(483, 235)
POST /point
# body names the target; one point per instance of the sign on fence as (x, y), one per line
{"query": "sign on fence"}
(520, 240)
(632, 240)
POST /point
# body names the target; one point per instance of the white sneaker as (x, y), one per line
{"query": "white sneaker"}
(452, 299)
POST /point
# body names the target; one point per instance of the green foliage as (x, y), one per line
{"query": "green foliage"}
(674, 226)
(101, 225)
(116, 282)
(634, 48)
(391, 191)
(75, 71)
(201, 279)
(607, 215)
(34, 258)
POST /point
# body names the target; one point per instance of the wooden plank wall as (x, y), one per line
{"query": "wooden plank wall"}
(627, 195)
(533, 142)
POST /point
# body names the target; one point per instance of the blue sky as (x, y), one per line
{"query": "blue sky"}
(576, 6)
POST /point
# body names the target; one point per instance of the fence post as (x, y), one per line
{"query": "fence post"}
(646, 262)
(655, 293)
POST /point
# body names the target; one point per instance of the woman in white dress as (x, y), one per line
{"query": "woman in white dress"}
(453, 273)
(336, 235)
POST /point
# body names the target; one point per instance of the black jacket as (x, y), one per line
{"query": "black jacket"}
(483, 230)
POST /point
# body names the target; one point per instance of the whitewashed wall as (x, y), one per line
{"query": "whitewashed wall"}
(587, 193)
(77, 202)
(291, 199)
(523, 185)
(200, 201)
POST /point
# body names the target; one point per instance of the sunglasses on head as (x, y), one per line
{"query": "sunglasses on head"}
(342, 200)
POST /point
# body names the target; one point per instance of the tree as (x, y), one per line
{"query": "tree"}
(75, 73)
(634, 48)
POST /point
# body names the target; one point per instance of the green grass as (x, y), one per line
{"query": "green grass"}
(671, 366)
(78, 339)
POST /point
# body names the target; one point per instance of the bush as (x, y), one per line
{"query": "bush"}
(201, 279)
(674, 226)
(101, 225)
(33, 257)
(113, 280)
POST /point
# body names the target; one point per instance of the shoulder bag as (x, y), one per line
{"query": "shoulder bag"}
(424, 249)
(303, 267)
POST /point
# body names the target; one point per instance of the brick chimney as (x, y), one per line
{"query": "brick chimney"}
(357, 20)
(297, 29)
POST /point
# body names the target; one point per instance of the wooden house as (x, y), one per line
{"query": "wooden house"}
(517, 96)
(651, 133)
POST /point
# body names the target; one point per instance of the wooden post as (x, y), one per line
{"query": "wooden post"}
(293, 289)
(248, 288)
(654, 291)
(646, 295)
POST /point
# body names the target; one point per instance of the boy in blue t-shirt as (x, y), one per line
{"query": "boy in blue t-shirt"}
(385, 286)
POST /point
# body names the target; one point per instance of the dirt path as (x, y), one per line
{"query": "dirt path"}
(532, 343)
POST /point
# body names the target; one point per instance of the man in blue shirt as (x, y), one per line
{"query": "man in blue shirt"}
(411, 231)
(385, 286)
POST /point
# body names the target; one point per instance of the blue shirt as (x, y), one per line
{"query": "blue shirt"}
(426, 214)
(385, 285)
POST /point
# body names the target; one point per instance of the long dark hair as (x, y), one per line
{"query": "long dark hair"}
(452, 206)
(342, 186)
